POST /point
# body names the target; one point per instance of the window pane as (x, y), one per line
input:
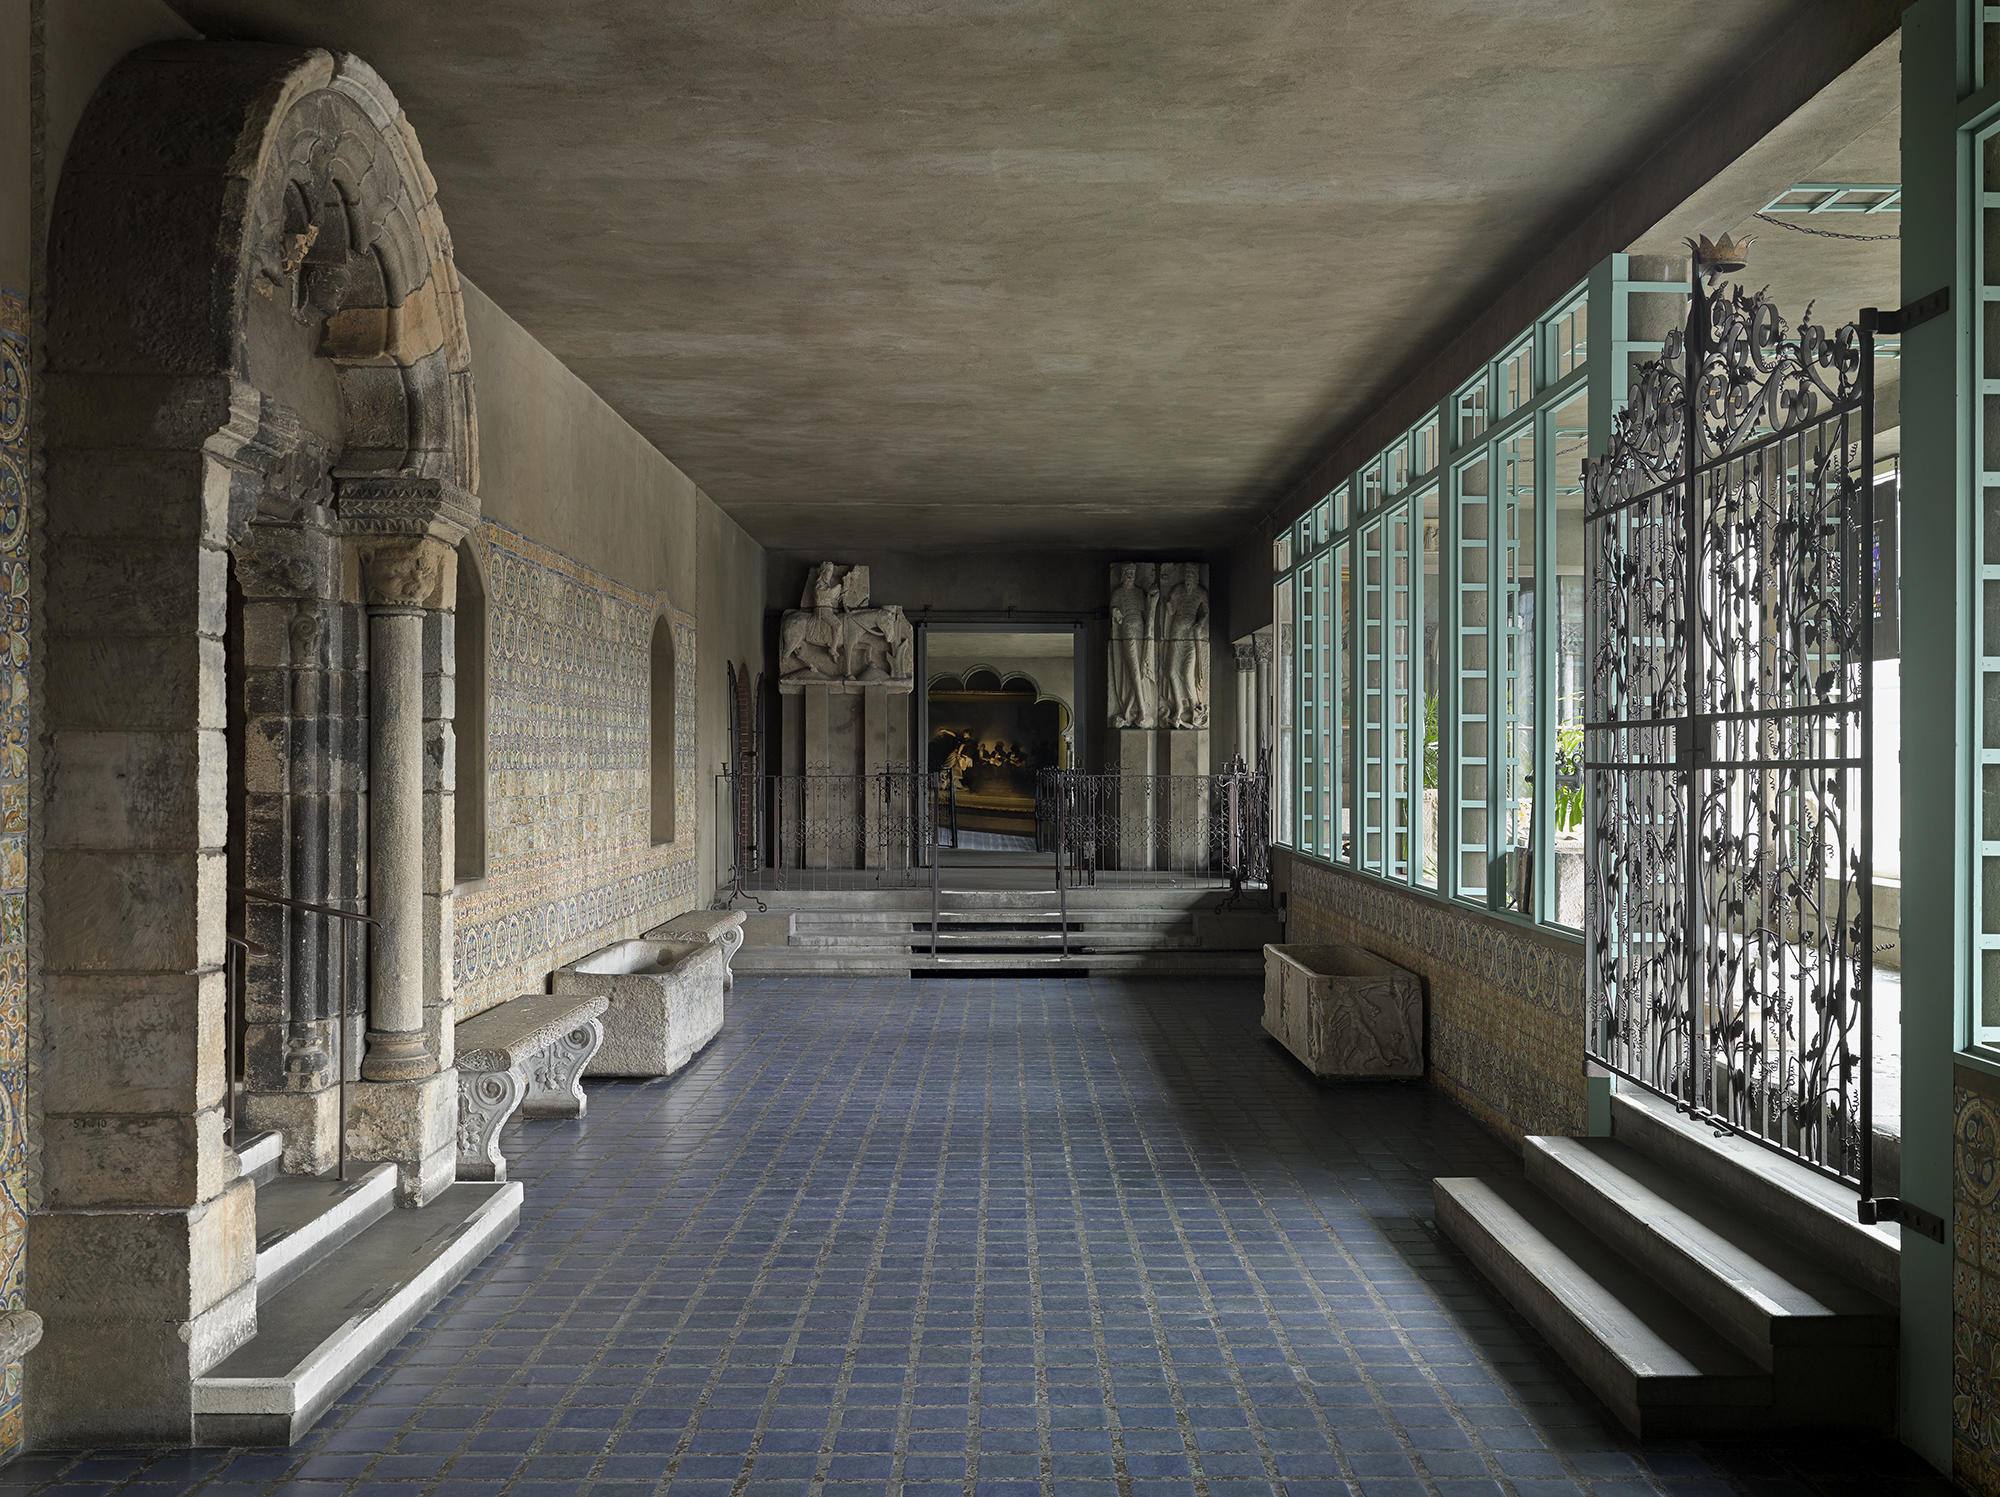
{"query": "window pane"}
(1424, 448)
(1340, 515)
(1516, 376)
(1472, 722)
(1470, 411)
(1568, 447)
(1427, 684)
(1371, 486)
(1515, 662)
(1281, 762)
(1566, 333)
(1398, 460)
(1281, 553)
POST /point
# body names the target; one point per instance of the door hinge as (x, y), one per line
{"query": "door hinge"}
(1903, 1213)
(1902, 319)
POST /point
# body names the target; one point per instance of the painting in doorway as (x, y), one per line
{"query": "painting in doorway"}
(990, 738)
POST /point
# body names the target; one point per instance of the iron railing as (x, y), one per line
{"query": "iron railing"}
(820, 831)
(1180, 829)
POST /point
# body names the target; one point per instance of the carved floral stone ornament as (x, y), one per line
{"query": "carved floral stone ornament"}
(404, 572)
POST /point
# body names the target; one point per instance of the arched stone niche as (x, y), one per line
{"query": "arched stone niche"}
(258, 375)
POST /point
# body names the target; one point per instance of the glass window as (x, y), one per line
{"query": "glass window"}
(1472, 717)
(1340, 514)
(1343, 751)
(1281, 553)
(1425, 646)
(1514, 660)
(1322, 518)
(1308, 710)
(1397, 461)
(1568, 449)
(1471, 411)
(1371, 487)
(1284, 682)
(1424, 448)
(1399, 729)
(1374, 694)
(1566, 334)
(1323, 689)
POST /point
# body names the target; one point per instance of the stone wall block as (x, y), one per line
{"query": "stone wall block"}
(266, 692)
(135, 587)
(267, 634)
(440, 642)
(267, 843)
(440, 843)
(142, 682)
(437, 918)
(132, 790)
(152, 412)
(266, 748)
(286, 563)
(440, 696)
(412, 1123)
(440, 759)
(132, 495)
(92, 1163)
(132, 911)
(118, 1044)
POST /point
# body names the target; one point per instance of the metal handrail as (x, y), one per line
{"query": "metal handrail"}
(346, 918)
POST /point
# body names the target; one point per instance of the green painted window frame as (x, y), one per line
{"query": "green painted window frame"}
(1371, 748)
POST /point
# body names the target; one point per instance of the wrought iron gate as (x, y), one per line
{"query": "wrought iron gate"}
(1729, 537)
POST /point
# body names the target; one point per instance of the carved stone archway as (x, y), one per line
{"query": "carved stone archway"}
(259, 376)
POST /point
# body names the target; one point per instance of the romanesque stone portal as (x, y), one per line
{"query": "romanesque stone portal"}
(263, 450)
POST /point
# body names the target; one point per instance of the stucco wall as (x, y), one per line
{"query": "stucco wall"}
(588, 535)
(1505, 1002)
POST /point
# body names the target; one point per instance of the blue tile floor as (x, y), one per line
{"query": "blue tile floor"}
(985, 1238)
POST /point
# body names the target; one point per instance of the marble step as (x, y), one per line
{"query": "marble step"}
(1762, 1292)
(260, 1155)
(1655, 1364)
(318, 1335)
(301, 1219)
(1776, 1193)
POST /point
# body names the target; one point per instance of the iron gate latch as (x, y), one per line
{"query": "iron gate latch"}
(1902, 319)
(1903, 1213)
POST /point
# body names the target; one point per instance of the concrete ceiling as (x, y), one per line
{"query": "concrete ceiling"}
(946, 272)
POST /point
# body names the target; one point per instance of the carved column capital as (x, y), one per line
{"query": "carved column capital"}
(1262, 643)
(1246, 656)
(404, 571)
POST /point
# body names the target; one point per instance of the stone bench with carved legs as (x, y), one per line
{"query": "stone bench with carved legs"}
(525, 1055)
(722, 928)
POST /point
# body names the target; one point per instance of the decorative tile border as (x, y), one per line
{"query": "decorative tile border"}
(14, 410)
(1975, 1281)
(570, 858)
(1506, 1003)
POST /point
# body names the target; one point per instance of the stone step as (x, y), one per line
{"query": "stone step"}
(1655, 1364)
(1767, 1296)
(260, 1155)
(317, 1336)
(794, 961)
(1778, 1194)
(301, 1219)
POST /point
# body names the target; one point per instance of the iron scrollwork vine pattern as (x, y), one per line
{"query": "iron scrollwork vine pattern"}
(1730, 608)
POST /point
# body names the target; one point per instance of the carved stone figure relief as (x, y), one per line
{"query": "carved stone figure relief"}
(1158, 676)
(834, 638)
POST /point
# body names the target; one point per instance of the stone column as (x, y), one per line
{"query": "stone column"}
(1246, 700)
(399, 577)
(1138, 816)
(1266, 706)
(405, 1107)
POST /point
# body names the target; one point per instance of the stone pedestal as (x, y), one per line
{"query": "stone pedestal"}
(411, 1124)
(1138, 809)
(1188, 795)
(834, 735)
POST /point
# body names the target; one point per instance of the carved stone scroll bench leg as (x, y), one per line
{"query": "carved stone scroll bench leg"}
(486, 1099)
(555, 1076)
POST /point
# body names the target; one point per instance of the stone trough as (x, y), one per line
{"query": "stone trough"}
(1344, 1011)
(665, 1003)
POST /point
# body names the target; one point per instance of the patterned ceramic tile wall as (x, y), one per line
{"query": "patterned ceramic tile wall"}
(570, 859)
(1975, 1285)
(1506, 1002)
(13, 834)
